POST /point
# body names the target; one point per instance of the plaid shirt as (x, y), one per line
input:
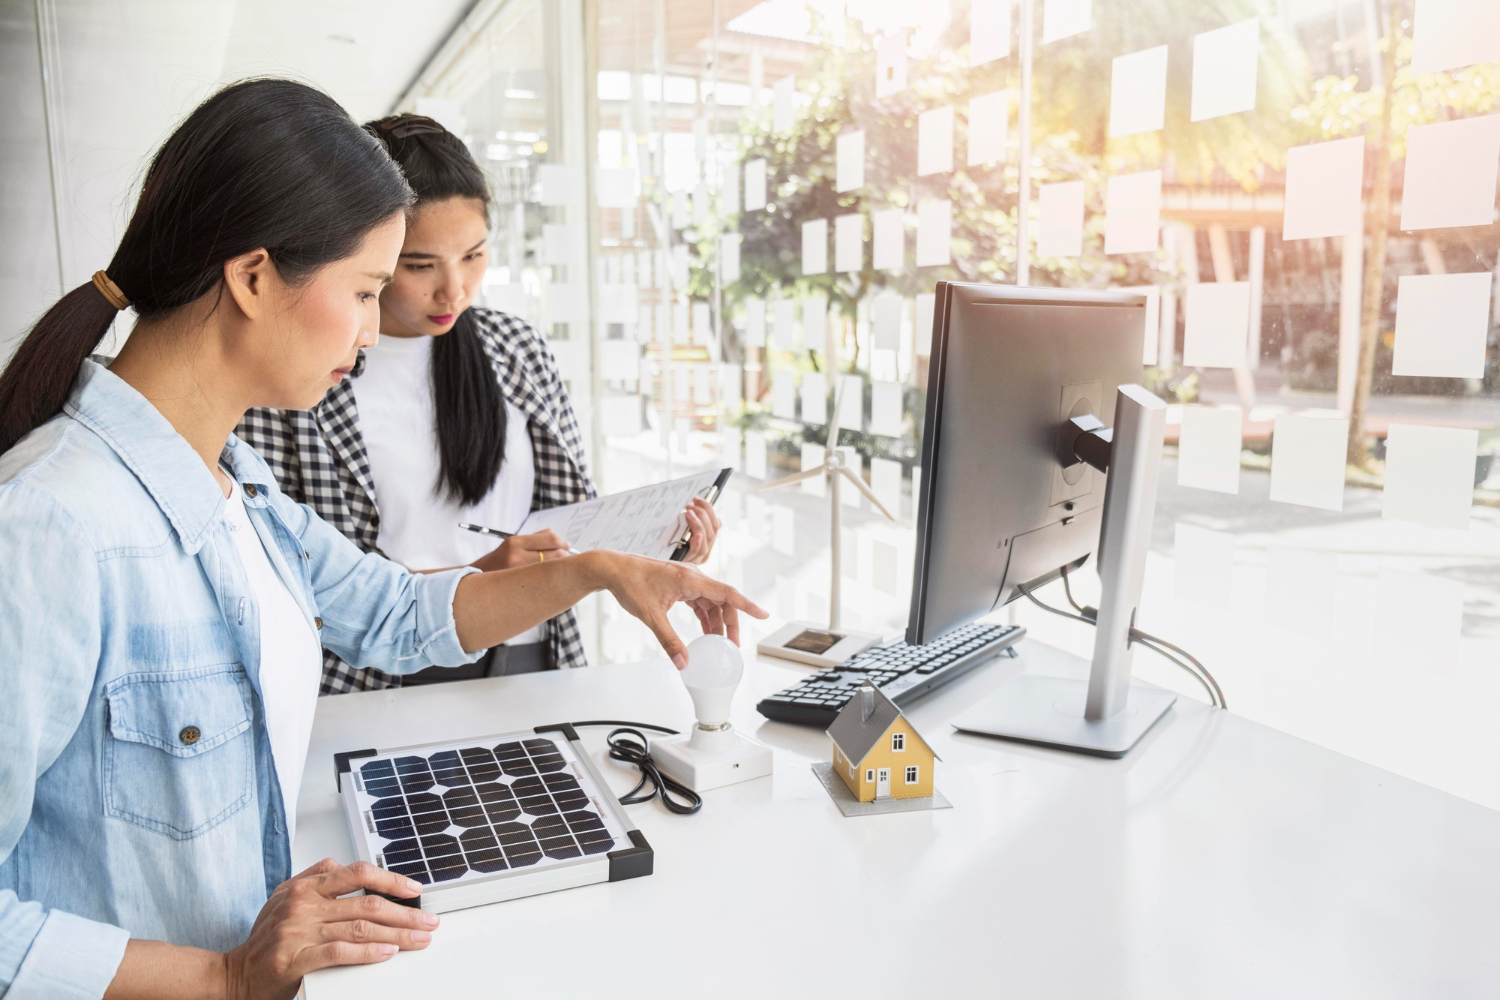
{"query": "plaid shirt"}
(319, 457)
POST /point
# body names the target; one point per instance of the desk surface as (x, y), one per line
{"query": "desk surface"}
(1219, 859)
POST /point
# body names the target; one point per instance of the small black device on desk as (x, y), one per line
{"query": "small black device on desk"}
(904, 673)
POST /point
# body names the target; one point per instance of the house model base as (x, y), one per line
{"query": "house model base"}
(707, 758)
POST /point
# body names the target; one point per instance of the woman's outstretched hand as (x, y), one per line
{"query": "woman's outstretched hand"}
(647, 588)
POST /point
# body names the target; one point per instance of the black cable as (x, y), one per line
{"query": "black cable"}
(638, 752)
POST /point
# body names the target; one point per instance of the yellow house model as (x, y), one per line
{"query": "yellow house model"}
(877, 752)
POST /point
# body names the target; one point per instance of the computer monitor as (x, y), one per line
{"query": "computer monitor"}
(1005, 503)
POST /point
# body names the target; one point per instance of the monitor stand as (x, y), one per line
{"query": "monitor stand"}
(1107, 714)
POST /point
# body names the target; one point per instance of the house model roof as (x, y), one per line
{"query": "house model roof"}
(862, 722)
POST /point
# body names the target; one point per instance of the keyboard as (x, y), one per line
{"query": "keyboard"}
(904, 673)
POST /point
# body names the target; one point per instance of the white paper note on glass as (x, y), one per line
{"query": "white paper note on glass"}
(851, 402)
(786, 316)
(1138, 92)
(1429, 475)
(620, 416)
(557, 243)
(1442, 321)
(849, 494)
(1324, 185)
(1224, 63)
(1065, 18)
(567, 303)
(935, 141)
(1060, 229)
(1208, 451)
(680, 266)
(783, 530)
(701, 200)
(885, 409)
(1132, 213)
(813, 456)
(1204, 565)
(815, 322)
(890, 239)
(885, 482)
(1308, 453)
(682, 330)
(617, 187)
(729, 189)
(682, 209)
(755, 322)
(848, 244)
(1421, 619)
(890, 65)
(814, 398)
(560, 185)
(1450, 173)
(989, 122)
(922, 331)
(1152, 324)
(1301, 586)
(619, 302)
(755, 185)
(755, 455)
(702, 324)
(1217, 324)
(886, 321)
(989, 31)
(850, 162)
(619, 360)
(783, 104)
(1449, 34)
(783, 395)
(815, 246)
(934, 230)
(729, 256)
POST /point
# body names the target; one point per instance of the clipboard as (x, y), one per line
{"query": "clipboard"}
(712, 494)
(647, 521)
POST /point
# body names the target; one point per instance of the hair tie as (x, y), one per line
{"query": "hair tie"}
(110, 290)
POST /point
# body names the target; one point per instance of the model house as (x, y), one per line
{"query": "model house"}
(877, 752)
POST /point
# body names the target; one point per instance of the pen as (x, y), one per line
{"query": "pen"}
(482, 530)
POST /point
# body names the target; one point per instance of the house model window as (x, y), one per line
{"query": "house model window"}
(912, 774)
(898, 741)
(870, 774)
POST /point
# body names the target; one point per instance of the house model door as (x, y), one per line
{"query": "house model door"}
(883, 783)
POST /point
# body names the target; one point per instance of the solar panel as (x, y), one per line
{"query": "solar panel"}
(488, 819)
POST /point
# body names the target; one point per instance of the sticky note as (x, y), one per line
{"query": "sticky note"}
(814, 398)
(1204, 565)
(1429, 475)
(884, 559)
(616, 188)
(1132, 212)
(700, 204)
(989, 31)
(682, 332)
(890, 239)
(849, 494)
(703, 384)
(619, 360)
(755, 185)
(784, 312)
(812, 457)
(935, 141)
(848, 244)
(567, 303)
(1450, 34)
(559, 185)
(890, 64)
(755, 455)
(729, 189)
(851, 403)
(682, 209)
(815, 246)
(815, 321)
(783, 104)
(703, 332)
(1301, 586)
(885, 482)
(1065, 18)
(783, 395)
(1224, 62)
(1208, 450)
(620, 416)
(729, 257)
(1450, 173)
(1308, 455)
(885, 409)
(989, 122)
(934, 230)
(1152, 333)
(1217, 324)
(618, 303)
(1060, 229)
(1324, 184)
(679, 268)
(922, 331)
(557, 243)
(886, 321)
(1421, 618)
(755, 322)
(1138, 92)
(784, 532)
(1442, 321)
(849, 173)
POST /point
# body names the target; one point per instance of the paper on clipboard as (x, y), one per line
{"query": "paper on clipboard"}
(646, 522)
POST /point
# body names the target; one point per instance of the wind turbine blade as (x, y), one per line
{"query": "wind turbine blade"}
(869, 493)
(795, 477)
(838, 399)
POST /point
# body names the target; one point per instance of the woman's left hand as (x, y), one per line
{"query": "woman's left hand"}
(704, 525)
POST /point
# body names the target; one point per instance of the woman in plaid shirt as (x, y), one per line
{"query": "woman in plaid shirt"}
(458, 414)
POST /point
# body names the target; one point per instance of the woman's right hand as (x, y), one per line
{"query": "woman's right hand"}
(523, 550)
(304, 926)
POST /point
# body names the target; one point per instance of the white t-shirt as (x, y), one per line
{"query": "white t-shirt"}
(418, 524)
(291, 658)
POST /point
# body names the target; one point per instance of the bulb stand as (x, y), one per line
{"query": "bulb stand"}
(711, 758)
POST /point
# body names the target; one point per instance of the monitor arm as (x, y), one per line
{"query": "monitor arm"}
(1084, 438)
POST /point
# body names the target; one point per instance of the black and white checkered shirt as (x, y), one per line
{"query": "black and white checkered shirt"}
(319, 457)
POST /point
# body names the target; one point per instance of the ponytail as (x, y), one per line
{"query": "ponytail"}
(40, 376)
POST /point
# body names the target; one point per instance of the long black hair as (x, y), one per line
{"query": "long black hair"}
(267, 164)
(466, 396)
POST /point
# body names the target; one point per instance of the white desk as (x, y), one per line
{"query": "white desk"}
(1219, 859)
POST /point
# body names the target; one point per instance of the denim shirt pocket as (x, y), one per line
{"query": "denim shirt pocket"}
(179, 756)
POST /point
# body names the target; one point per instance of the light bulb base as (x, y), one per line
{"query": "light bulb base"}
(711, 758)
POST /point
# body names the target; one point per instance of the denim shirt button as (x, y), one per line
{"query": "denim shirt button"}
(189, 735)
(318, 622)
(250, 490)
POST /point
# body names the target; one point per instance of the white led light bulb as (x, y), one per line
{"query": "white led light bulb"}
(713, 672)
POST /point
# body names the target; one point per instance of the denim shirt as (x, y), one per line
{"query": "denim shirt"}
(138, 796)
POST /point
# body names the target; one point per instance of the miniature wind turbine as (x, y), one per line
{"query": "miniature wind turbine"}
(805, 641)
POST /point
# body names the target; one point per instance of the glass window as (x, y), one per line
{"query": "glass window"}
(898, 741)
(912, 774)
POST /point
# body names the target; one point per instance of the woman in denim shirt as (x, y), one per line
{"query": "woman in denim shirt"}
(145, 740)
